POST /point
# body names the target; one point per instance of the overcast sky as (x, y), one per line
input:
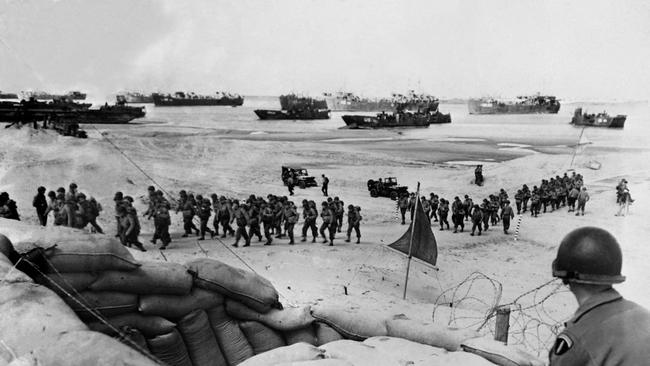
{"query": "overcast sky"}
(588, 49)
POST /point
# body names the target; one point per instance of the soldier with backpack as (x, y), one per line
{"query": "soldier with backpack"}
(40, 204)
(354, 220)
(240, 216)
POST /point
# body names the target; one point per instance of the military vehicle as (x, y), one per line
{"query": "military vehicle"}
(301, 177)
(597, 120)
(386, 187)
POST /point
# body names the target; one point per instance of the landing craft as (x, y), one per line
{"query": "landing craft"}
(527, 104)
(182, 99)
(597, 120)
(295, 107)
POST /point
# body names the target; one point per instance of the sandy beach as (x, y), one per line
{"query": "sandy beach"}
(240, 162)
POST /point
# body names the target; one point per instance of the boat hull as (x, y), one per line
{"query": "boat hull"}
(600, 120)
(480, 106)
(268, 114)
(94, 116)
(161, 101)
(395, 120)
(339, 104)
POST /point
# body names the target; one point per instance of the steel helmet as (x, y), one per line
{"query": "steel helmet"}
(589, 255)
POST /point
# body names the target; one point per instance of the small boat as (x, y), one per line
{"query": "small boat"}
(135, 97)
(110, 114)
(597, 120)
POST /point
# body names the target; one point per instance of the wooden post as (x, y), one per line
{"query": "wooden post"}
(502, 324)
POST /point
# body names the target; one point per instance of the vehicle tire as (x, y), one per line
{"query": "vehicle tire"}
(371, 183)
(373, 193)
(302, 184)
(393, 195)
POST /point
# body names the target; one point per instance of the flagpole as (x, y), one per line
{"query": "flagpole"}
(408, 264)
(575, 151)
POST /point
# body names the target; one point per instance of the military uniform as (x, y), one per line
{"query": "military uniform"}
(606, 330)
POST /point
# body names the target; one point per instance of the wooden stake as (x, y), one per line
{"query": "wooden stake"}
(502, 324)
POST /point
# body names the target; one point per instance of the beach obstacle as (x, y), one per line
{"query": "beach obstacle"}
(518, 226)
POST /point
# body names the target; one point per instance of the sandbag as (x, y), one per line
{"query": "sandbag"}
(500, 354)
(6, 247)
(134, 339)
(427, 333)
(304, 335)
(199, 340)
(160, 278)
(83, 348)
(412, 353)
(10, 274)
(175, 307)
(170, 349)
(67, 282)
(294, 353)
(323, 362)
(150, 326)
(285, 319)
(325, 334)
(231, 339)
(351, 323)
(249, 288)
(106, 303)
(32, 316)
(359, 354)
(261, 337)
(87, 254)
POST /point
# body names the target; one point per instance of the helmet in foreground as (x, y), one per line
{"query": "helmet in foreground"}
(589, 255)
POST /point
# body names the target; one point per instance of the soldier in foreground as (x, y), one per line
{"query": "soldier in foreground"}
(606, 329)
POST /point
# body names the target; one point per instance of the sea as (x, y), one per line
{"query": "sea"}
(516, 131)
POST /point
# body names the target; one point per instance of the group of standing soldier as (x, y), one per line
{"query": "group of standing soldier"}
(551, 194)
(71, 208)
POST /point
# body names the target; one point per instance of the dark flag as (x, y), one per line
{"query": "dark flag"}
(424, 246)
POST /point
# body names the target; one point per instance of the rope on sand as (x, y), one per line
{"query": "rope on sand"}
(518, 225)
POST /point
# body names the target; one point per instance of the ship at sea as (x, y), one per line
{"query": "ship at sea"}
(192, 99)
(134, 98)
(40, 95)
(297, 107)
(32, 110)
(8, 95)
(597, 119)
(350, 102)
(409, 112)
(522, 105)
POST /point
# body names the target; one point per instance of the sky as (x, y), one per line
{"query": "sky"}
(577, 50)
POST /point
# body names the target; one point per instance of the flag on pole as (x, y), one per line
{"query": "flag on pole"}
(424, 246)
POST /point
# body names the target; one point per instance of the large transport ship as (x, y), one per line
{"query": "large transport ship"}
(191, 99)
(597, 119)
(350, 102)
(40, 95)
(296, 108)
(522, 105)
(419, 112)
(134, 98)
(4, 95)
(33, 111)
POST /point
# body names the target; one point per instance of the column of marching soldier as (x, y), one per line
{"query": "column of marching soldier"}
(276, 216)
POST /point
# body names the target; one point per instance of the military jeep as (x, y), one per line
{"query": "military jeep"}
(386, 187)
(301, 177)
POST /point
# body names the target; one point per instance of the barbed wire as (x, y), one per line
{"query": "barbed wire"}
(473, 304)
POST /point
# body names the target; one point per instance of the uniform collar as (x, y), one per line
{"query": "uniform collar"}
(606, 296)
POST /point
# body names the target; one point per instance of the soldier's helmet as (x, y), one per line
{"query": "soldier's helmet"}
(41, 189)
(151, 188)
(118, 196)
(589, 255)
(350, 207)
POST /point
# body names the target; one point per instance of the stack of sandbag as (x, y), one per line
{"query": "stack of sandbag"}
(206, 312)
(38, 328)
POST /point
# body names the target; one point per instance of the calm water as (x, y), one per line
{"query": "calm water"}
(527, 129)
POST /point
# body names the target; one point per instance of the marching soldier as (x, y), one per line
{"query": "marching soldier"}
(354, 220)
